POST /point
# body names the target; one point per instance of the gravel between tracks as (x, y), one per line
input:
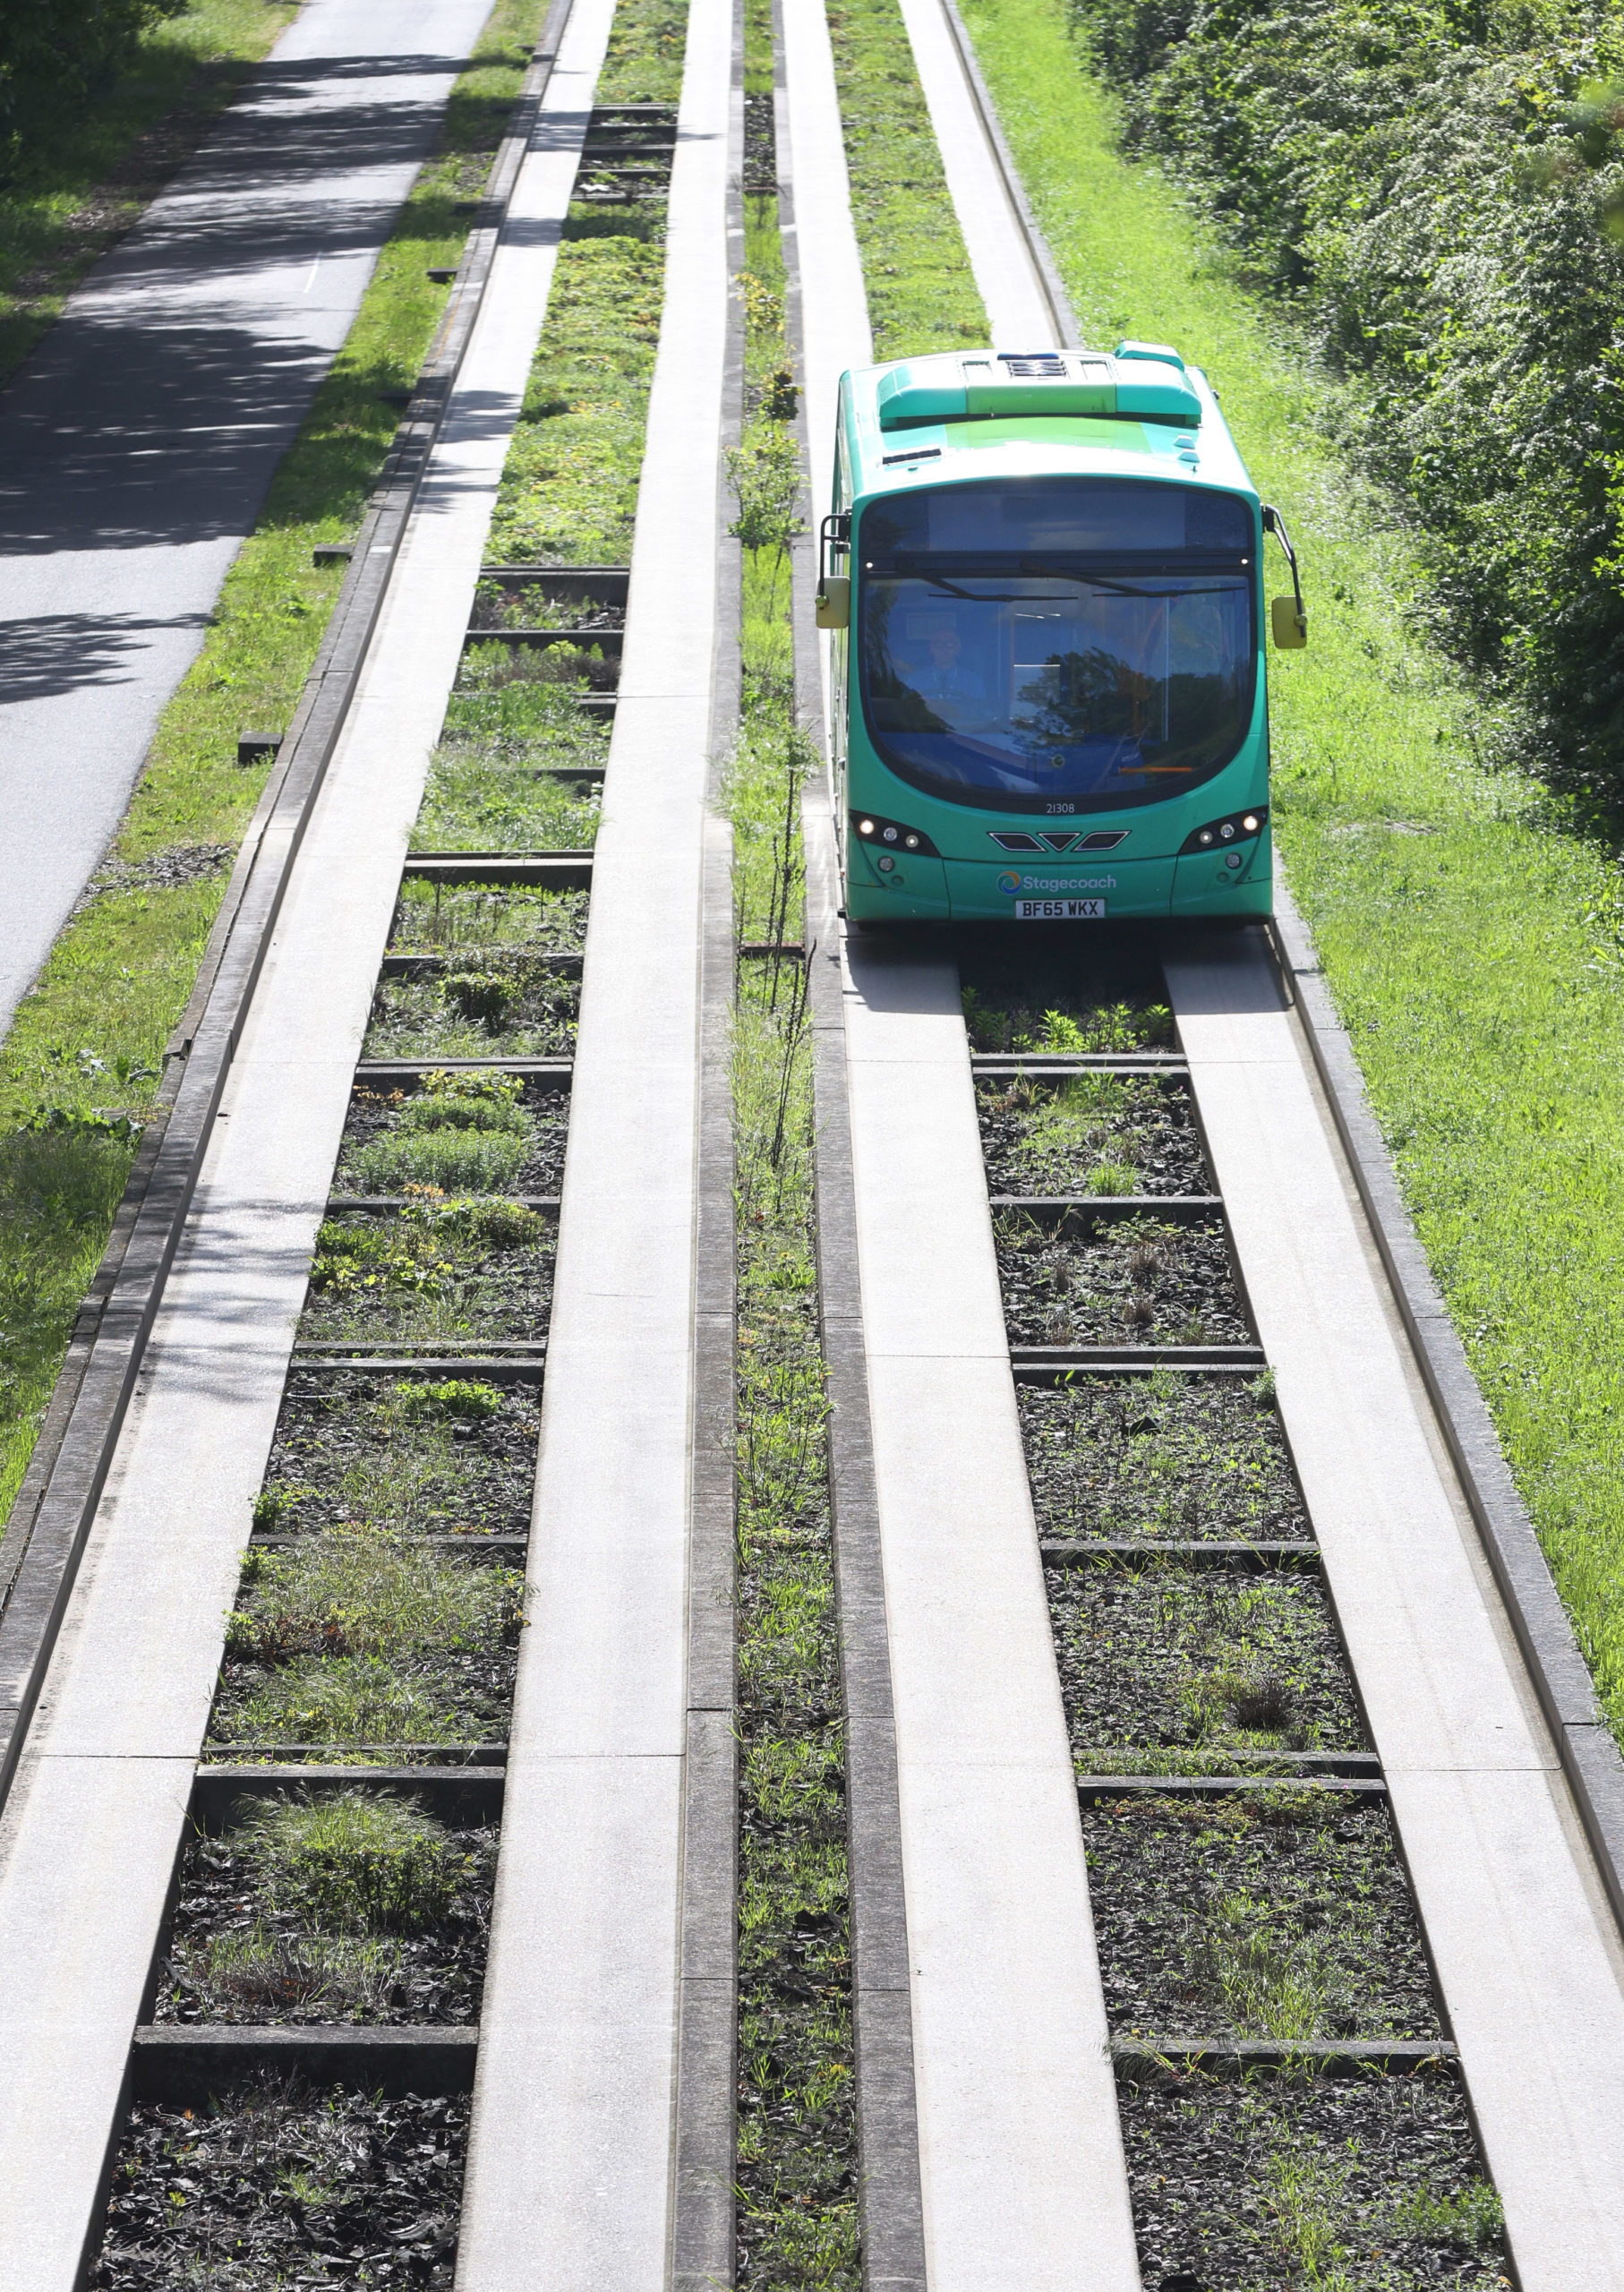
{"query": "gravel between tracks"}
(1203, 1660)
(1135, 1281)
(1168, 1455)
(1286, 1913)
(278, 2182)
(1269, 2180)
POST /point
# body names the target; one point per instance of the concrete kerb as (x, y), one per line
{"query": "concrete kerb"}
(1589, 1754)
(703, 2205)
(94, 1389)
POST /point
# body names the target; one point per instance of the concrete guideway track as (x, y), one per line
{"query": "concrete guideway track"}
(137, 443)
(1020, 2157)
(1523, 1939)
(106, 1777)
(569, 2171)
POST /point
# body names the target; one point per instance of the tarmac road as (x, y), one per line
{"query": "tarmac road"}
(137, 444)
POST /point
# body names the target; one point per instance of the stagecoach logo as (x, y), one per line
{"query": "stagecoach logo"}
(1010, 883)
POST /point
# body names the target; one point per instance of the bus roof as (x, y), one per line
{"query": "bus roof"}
(1140, 412)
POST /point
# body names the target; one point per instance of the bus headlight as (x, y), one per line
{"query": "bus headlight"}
(1224, 830)
(869, 828)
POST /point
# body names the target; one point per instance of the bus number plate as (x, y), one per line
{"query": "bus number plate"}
(1059, 911)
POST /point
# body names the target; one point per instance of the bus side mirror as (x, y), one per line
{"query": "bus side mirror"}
(1288, 624)
(834, 601)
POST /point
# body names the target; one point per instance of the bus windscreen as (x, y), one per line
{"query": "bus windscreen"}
(1109, 675)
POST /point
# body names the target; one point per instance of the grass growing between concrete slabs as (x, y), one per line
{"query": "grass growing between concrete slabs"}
(1173, 1455)
(341, 1906)
(1206, 1668)
(511, 1004)
(422, 1456)
(921, 296)
(1098, 1134)
(460, 1133)
(1129, 1281)
(1362, 2180)
(568, 493)
(83, 1057)
(449, 1274)
(503, 778)
(1473, 943)
(85, 167)
(797, 2152)
(1283, 1913)
(366, 1637)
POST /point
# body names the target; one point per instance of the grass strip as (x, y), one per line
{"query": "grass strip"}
(85, 169)
(82, 1062)
(1476, 949)
(569, 496)
(921, 295)
(568, 493)
(796, 2198)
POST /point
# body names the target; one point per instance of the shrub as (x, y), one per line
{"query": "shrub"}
(56, 47)
(1436, 186)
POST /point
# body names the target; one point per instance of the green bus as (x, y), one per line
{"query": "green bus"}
(1046, 683)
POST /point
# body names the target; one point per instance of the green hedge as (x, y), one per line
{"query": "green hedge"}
(1436, 190)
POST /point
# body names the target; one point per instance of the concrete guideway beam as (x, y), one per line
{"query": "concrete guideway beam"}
(95, 1816)
(1024, 2184)
(137, 443)
(570, 2169)
(1524, 1942)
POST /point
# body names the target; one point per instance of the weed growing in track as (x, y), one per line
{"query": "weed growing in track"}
(368, 1638)
(452, 916)
(797, 2212)
(347, 1593)
(349, 1863)
(1365, 2182)
(1167, 1455)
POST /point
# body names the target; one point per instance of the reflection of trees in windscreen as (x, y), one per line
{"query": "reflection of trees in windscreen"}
(1162, 676)
(1093, 695)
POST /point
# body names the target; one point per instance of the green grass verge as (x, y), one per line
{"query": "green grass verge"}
(921, 295)
(88, 1040)
(797, 2212)
(1475, 950)
(88, 168)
